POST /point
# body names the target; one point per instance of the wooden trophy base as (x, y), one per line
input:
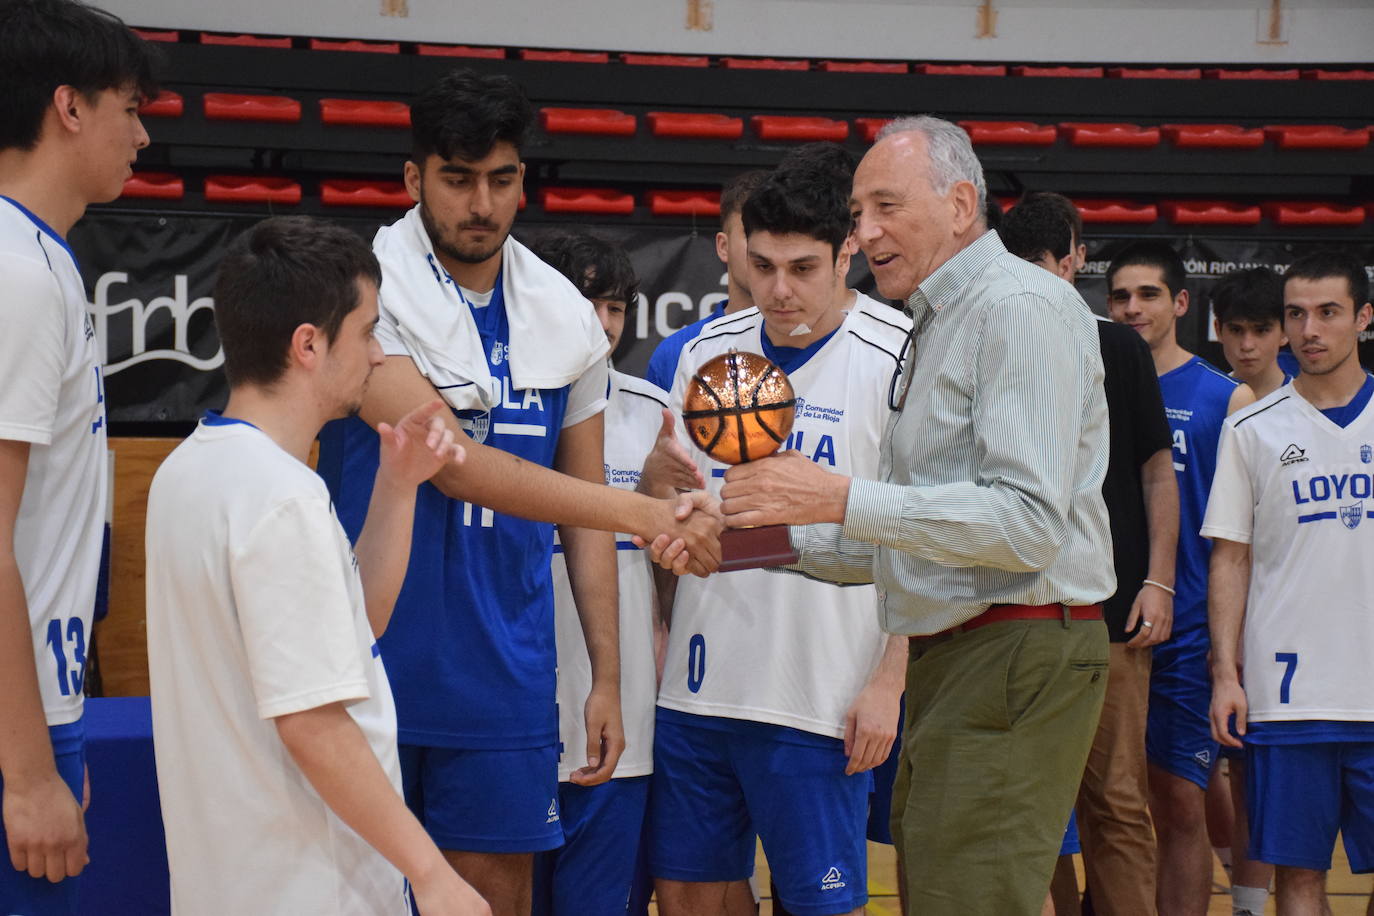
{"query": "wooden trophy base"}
(756, 548)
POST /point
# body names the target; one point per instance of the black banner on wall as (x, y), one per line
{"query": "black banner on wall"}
(150, 276)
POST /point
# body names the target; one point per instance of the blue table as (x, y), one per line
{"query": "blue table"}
(128, 871)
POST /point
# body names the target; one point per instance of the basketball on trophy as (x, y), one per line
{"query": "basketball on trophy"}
(739, 407)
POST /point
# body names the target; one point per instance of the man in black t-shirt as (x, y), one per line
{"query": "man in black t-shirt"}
(1142, 502)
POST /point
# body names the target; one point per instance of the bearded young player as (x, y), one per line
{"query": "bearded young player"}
(769, 719)
(1292, 621)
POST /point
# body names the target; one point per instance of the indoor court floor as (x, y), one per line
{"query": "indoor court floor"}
(1349, 893)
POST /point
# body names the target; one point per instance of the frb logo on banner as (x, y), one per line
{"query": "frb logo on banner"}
(144, 317)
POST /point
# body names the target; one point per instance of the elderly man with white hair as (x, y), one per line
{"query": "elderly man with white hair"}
(985, 532)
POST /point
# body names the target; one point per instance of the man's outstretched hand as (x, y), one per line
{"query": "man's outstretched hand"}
(418, 446)
(691, 543)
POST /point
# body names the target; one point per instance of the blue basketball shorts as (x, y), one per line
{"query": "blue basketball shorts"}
(719, 783)
(480, 800)
(594, 869)
(1301, 795)
(20, 893)
(1178, 729)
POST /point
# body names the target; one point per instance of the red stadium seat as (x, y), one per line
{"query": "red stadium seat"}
(229, 106)
(684, 203)
(1210, 213)
(788, 127)
(565, 57)
(1010, 133)
(869, 127)
(1317, 136)
(1313, 213)
(863, 66)
(251, 189)
(1258, 74)
(1119, 135)
(1116, 211)
(1213, 136)
(960, 69)
(367, 47)
(603, 121)
(166, 105)
(763, 63)
(695, 124)
(1077, 72)
(1155, 73)
(364, 113)
(665, 60)
(244, 41)
(154, 186)
(170, 35)
(428, 50)
(1338, 74)
(343, 192)
(587, 200)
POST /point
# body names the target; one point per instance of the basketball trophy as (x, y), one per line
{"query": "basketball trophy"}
(739, 407)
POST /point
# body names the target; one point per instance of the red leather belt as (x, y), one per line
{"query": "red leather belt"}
(1000, 613)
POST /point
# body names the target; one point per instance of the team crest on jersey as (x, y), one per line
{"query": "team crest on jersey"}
(476, 423)
(1366, 453)
(833, 880)
(1352, 514)
(500, 352)
(1293, 455)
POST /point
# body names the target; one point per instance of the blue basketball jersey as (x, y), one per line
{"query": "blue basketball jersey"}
(1196, 396)
(663, 363)
(471, 641)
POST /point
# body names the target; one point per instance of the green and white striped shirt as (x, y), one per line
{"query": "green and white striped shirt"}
(990, 485)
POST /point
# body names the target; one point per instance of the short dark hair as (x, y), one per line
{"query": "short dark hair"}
(828, 158)
(598, 268)
(992, 213)
(1254, 294)
(285, 272)
(1067, 207)
(1332, 262)
(1034, 228)
(736, 191)
(45, 44)
(1152, 254)
(466, 115)
(803, 199)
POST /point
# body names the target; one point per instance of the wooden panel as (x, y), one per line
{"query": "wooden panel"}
(122, 636)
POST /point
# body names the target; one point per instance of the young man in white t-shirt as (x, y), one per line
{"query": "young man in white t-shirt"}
(1290, 517)
(273, 723)
(73, 78)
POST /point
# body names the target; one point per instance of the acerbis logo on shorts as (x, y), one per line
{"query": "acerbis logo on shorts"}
(553, 811)
(1204, 758)
(833, 880)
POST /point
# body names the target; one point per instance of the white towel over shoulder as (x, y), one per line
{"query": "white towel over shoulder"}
(554, 333)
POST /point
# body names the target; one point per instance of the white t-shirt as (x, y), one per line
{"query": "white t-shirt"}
(632, 417)
(255, 610)
(783, 649)
(1300, 490)
(52, 397)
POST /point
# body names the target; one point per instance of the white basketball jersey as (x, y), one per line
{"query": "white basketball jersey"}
(52, 397)
(1300, 490)
(633, 416)
(781, 648)
(255, 611)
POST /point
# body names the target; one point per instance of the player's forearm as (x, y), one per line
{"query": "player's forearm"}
(335, 757)
(1228, 588)
(25, 750)
(890, 672)
(593, 578)
(383, 548)
(1159, 486)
